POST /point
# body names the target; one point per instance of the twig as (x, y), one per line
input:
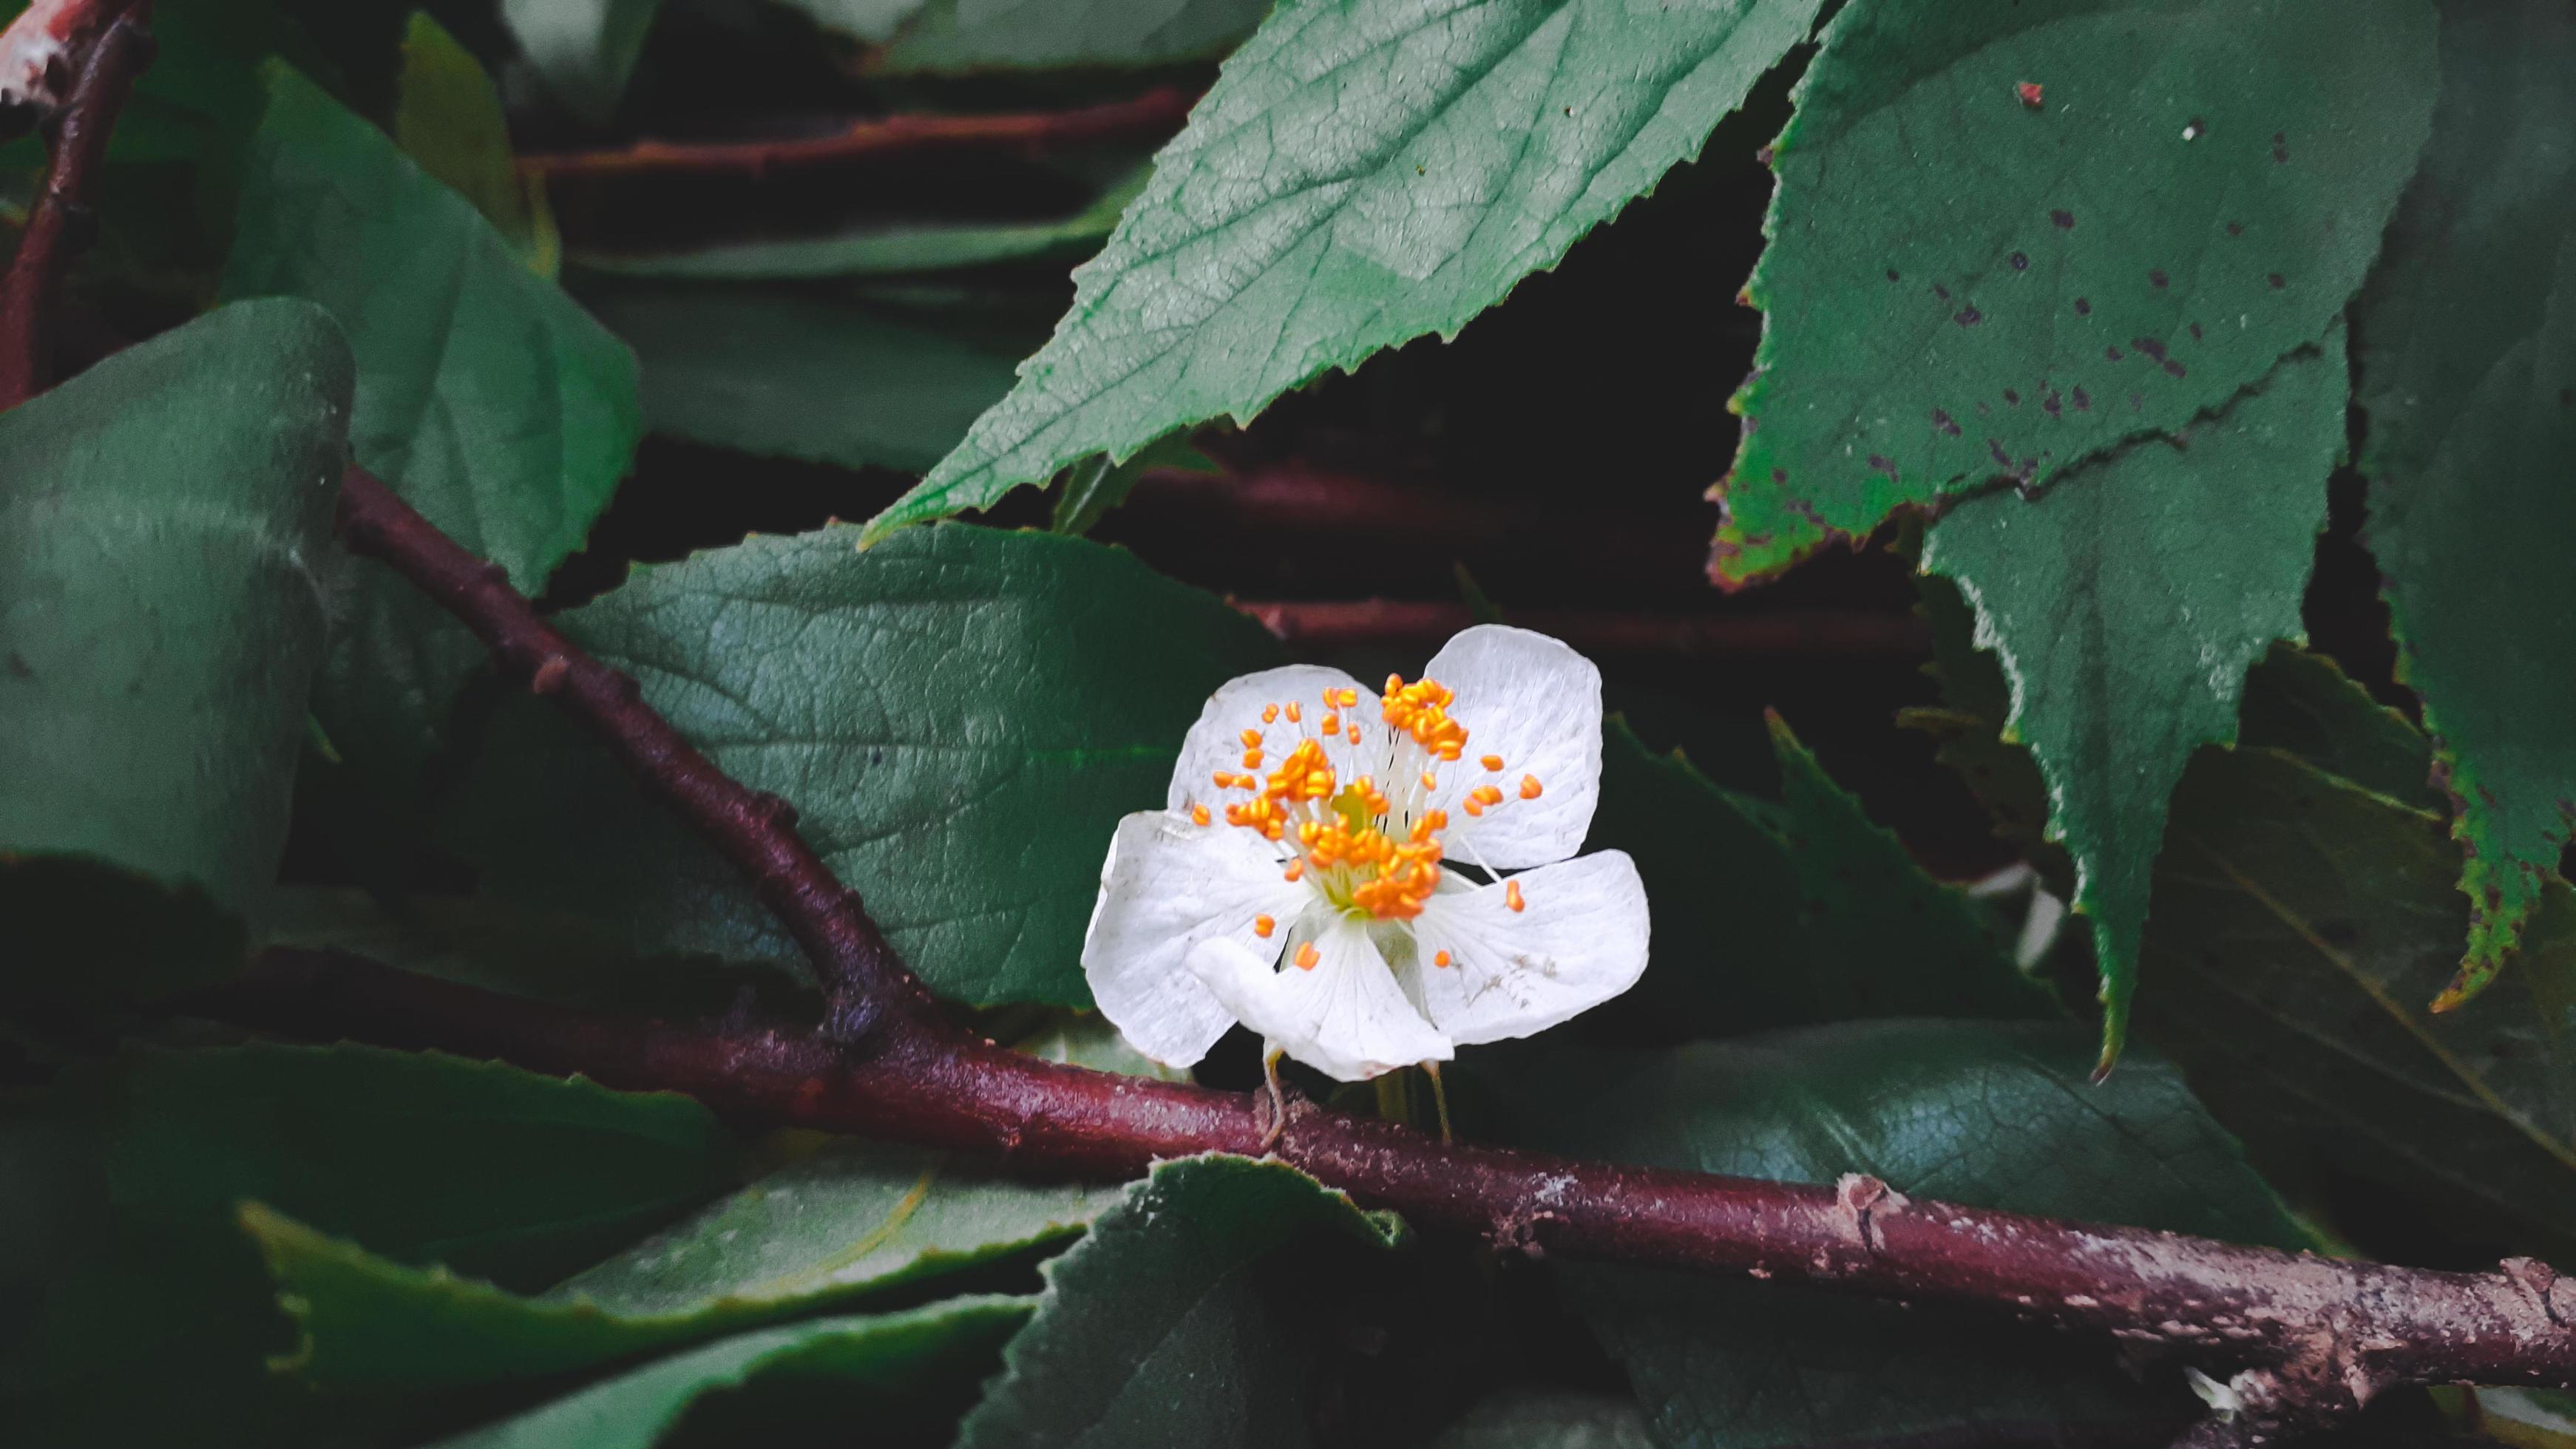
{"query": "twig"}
(865, 982)
(61, 223)
(1802, 633)
(2351, 1327)
(1159, 109)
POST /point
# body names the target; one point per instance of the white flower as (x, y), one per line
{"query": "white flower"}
(1298, 879)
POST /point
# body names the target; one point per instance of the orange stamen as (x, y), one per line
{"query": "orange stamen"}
(1440, 960)
(1332, 724)
(1270, 714)
(1198, 815)
(1473, 806)
(1307, 956)
(1491, 762)
(1512, 895)
(1430, 781)
(1252, 759)
(1251, 739)
(1486, 793)
(1293, 715)
(1529, 787)
(1262, 926)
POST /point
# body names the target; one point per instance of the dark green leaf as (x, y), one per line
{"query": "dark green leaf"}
(954, 36)
(1095, 485)
(868, 1371)
(2301, 924)
(2126, 602)
(485, 397)
(789, 374)
(882, 250)
(1962, 287)
(2301, 703)
(584, 49)
(2469, 378)
(1989, 1114)
(166, 518)
(120, 1194)
(849, 1221)
(1549, 1419)
(1363, 173)
(449, 119)
(1787, 913)
(1153, 1330)
(961, 716)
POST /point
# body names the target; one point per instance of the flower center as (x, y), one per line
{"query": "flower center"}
(1371, 849)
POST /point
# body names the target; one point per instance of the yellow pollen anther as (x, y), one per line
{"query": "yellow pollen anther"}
(1354, 735)
(1251, 739)
(1421, 709)
(1262, 926)
(1529, 787)
(1512, 895)
(1296, 869)
(1224, 780)
(1491, 762)
(1293, 715)
(1198, 815)
(1307, 956)
(1430, 781)
(1473, 806)
(1440, 960)
(1487, 794)
(1332, 724)
(1270, 714)
(1252, 759)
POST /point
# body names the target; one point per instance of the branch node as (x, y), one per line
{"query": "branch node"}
(550, 673)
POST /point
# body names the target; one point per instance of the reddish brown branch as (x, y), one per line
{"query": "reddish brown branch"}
(2348, 1328)
(756, 831)
(1157, 110)
(60, 223)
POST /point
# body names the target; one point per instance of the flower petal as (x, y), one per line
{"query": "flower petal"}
(1536, 704)
(1167, 886)
(1215, 743)
(1344, 1016)
(1578, 940)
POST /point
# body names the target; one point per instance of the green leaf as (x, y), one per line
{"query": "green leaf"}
(784, 373)
(961, 717)
(448, 118)
(883, 250)
(485, 398)
(1095, 485)
(1154, 1329)
(166, 517)
(848, 1222)
(871, 1370)
(1962, 287)
(951, 37)
(2469, 380)
(1989, 1114)
(2304, 705)
(1791, 912)
(1086, 1039)
(1363, 173)
(584, 50)
(2126, 602)
(546, 955)
(120, 1189)
(1532, 1418)
(2301, 923)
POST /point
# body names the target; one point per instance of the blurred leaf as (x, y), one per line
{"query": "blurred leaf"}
(884, 250)
(950, 37)
(791, 374)
(585, 50)
(1992, 1114)
(961, 719)
(119, 1192)
(546, 955)
(871, 1370)
(850, 1221)
(872, 21)
(1095, 485)
(2126, 602)
(1963, 287)
(1362, 174)
(2302, 704)
(165, 517)
(2469, 380)
(449, 120)
(486, 399)
(1086, 1039)
(1530, 1418)
(1154, 1329)
(2301, 924)
(1788, 912)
